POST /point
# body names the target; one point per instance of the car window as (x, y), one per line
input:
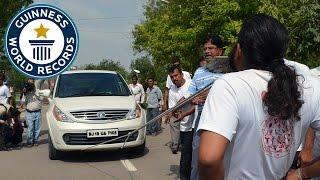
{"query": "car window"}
(91, 84)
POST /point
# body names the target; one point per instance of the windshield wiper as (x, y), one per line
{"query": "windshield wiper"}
(72, 95)
(98, 94)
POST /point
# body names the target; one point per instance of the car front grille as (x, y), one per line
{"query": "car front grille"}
(81, 138)
(100, 114)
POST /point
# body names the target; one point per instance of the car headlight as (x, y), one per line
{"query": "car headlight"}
(60, 116)
(134, 113)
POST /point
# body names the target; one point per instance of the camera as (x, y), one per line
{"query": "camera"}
(28, 87)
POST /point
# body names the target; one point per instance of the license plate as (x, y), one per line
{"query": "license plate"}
(102, 133)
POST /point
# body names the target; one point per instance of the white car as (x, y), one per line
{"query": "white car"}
(89, 107)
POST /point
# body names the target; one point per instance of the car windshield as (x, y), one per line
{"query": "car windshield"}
(91, 84)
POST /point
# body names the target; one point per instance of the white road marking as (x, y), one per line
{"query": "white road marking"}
(128, 165)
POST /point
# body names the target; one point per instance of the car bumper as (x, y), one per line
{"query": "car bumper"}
(72, 136)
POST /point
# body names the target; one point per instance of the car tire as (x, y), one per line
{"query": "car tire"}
(54, 154)
(139, 149)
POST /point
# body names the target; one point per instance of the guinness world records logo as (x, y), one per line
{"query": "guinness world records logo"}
(41, 41)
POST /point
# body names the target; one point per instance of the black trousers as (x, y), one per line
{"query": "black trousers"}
(186, 154)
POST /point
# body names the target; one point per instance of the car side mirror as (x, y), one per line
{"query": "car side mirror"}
(45, 93)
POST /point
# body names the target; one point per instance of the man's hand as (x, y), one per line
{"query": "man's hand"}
(201, 98)
(167, 118)
(2, 121)
(196, 100)
(164, 107)
(292, 175)
(179, 117)
(305, 156)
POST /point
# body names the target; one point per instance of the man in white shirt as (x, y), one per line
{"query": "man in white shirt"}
(174, 127)
(137, 89)
(169, 83)
(5, 95)
(176, 93)
(253, 121)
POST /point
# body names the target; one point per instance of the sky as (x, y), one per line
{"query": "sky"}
(104, 28)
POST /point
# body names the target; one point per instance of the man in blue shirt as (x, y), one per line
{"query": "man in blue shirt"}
(154, 95)
(212, 47)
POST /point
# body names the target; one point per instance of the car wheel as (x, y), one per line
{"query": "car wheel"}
(139, 149)
(54, 154)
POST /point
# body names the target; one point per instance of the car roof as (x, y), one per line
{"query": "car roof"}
(89, 71)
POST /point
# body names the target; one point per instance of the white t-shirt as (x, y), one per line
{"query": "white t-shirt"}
(4, 94)
(169, 83)
(301, 70)
(175, 94)
(137, 91)
(261, 147)
(316, 147)
(316, 72)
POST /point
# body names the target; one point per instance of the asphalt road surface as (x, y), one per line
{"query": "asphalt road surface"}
(157, 163)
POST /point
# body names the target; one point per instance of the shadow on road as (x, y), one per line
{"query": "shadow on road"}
(174, 170)
(41, 141)
(101, 156)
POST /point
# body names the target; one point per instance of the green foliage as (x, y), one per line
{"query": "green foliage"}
(302, 18)
(110, 65)
(179, 27)
(147, 69)
(8, 8)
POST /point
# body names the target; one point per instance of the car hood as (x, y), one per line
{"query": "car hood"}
(95, 103)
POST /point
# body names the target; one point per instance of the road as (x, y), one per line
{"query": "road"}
(157, 163)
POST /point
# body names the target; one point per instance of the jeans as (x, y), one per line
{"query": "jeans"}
(34, 126)
(154, 126)
(195, 150)
(186, 155)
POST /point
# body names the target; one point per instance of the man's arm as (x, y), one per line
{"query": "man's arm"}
(142, 94)
(307, 172)
(10, 101)
(211, 153)
(9, 96)
(313, 170)
(165, 99)
(166, 93)
(217, 126)
(159, 94)
(306, 154)
(188, 112)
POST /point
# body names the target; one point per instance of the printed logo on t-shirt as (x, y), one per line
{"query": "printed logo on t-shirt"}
(277, 136)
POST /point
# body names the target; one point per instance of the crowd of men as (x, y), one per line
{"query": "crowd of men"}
(253, 122)
(11, 123)
(261, 121)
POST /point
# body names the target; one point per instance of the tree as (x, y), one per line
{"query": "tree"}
(179, 27)
(147, 69)
(8, 8)
(108, 64)
(302, 19)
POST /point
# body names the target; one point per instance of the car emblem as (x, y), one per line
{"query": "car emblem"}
(101, 115)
